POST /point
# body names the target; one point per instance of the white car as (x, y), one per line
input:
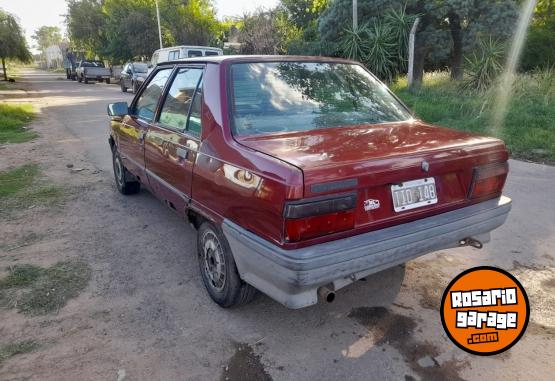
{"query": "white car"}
(183, 51)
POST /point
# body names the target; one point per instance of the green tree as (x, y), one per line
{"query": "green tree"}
(448, 30)
(189, 22)
(12, 41)
(130, 29)
(302, 13)
(46, 36)
(86, 25)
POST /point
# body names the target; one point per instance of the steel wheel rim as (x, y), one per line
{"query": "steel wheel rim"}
(213, 261)
(118, 170)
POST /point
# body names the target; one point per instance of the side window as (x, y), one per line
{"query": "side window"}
(194, 53)
(194, 125)
(145, 107)
(174, 55)
(175, 110)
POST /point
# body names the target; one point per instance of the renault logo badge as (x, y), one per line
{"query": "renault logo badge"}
(425, 166)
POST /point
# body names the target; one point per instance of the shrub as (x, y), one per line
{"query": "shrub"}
(484, 66)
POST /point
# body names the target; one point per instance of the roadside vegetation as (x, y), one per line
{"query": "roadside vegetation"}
(13, 119)
(35, 290)
(9, 350)
(529, 129)
(22, 188)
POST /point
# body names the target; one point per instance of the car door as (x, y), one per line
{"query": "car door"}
(172, 142)
(134, 126)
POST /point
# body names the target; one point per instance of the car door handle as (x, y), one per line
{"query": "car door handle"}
(182, 153)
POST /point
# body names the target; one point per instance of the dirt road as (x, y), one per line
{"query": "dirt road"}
(145, 314)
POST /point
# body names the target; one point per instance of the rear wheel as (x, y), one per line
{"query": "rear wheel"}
(107, 81)
(218, 269)
(68, 74)
(80, 79)
(121, 175)
(85, 79)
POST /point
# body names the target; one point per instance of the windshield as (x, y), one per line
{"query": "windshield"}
(300, 96)
(92, 64)
(140, 67)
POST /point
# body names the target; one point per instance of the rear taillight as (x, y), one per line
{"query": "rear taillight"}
(488, 180)
(309, 219)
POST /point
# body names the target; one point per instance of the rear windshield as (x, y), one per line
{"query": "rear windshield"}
(272, 97)
(211, 53)
(140, 67)
(92, 64)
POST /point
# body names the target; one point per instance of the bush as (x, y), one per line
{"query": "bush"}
(539, 51)
(484, 66)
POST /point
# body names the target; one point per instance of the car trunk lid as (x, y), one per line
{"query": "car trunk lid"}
(369, 160)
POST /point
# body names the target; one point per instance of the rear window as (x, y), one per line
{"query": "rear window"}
(270, 97)
(140, 67)
(92, 64)
(211, 53)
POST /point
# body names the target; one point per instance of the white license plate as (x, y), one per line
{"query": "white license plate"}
(414, 194)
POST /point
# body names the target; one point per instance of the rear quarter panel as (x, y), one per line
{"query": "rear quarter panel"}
(233, 182)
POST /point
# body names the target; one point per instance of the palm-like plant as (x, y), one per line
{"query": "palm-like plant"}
(382, 50)
(484, 65)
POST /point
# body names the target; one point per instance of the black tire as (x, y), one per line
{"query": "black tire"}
(85, 79)
(68, 75)
(79, 79)
(107, 81)
(216, 261)
(121, 174)
(135, 87)
(100, 80)
(73, 77)
(121, 84)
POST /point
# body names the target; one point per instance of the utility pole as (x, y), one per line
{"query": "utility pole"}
(411, 52)
(355, 15)
(159, 28)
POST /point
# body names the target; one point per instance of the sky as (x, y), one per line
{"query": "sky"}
(35, 13)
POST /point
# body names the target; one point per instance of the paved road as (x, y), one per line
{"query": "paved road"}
(349, 338)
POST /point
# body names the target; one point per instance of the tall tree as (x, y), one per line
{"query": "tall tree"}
(86, 25)
(189, 22)
(448, 30)
(12, 41)
(131, 29)
(46, 36)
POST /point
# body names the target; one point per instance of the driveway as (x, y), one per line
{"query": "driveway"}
(146, 315)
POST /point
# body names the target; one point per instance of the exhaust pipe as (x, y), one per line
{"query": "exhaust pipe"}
(469, 241)
(324, 293)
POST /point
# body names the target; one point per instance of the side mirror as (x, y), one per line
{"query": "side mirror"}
(118, 109)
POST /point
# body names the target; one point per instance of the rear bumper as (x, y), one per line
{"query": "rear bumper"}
(292, 277)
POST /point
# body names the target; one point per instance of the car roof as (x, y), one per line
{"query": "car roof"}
(254, 58)
(187, 47)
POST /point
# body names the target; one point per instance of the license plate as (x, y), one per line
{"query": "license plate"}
(414, 194)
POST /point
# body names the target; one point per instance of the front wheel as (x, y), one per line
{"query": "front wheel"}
(79, 79)
(135, 87)
(218, 270)
(121, 174)
(122, 85)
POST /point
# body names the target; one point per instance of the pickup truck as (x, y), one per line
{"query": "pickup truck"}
(92, 70)
(302, 174)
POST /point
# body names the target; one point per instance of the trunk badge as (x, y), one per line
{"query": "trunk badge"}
(371, 204)
(425, 166)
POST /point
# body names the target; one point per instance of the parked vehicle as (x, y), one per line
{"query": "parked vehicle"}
(302, 175)
(92, 70)
(133, 75)
(180, 52)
